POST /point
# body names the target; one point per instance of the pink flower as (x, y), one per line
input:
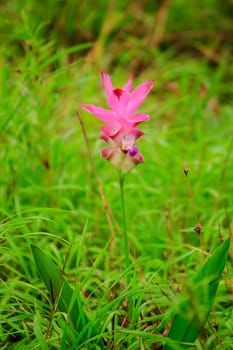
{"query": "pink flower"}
(121, 130)
(122, 152)
(123, 103)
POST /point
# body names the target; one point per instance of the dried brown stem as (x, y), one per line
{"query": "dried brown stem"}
(100, 187)
(197, 227)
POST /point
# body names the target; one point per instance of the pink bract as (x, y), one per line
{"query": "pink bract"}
(120, 130)
(123, 104)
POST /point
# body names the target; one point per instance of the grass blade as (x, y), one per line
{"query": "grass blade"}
(39, 334)
(62, 294)
(194, 310)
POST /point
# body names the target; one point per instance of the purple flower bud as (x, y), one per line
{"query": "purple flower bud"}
(133, 151)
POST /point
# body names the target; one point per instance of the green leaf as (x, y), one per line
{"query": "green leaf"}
(39, 334)
(198, 300)
(62, 295)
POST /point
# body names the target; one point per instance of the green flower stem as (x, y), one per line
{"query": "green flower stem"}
(126, 245)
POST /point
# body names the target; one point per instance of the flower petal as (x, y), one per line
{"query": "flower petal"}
(139, 118)
(110, 131)
(107, 83)
(105, 115)
(138, 96)
(128, 85)
(126, 123)
(136, 132)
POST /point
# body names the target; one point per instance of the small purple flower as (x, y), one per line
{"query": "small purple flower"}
(133, 151)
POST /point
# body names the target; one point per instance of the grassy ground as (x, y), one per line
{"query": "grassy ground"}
(50, 59)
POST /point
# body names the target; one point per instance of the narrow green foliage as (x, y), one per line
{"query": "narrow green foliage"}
(194, 310)
(39, 333)
(62, 295)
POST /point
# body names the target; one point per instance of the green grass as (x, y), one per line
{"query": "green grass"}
(50, 61)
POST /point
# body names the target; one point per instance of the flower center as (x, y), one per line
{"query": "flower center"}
(127, 142)
(118, 92)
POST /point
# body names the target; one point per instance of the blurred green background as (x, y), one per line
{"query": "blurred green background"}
(118, 32)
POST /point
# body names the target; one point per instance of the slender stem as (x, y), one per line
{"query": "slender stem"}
(126, 245)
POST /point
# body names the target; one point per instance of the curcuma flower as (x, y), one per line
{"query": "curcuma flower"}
(121, 131)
